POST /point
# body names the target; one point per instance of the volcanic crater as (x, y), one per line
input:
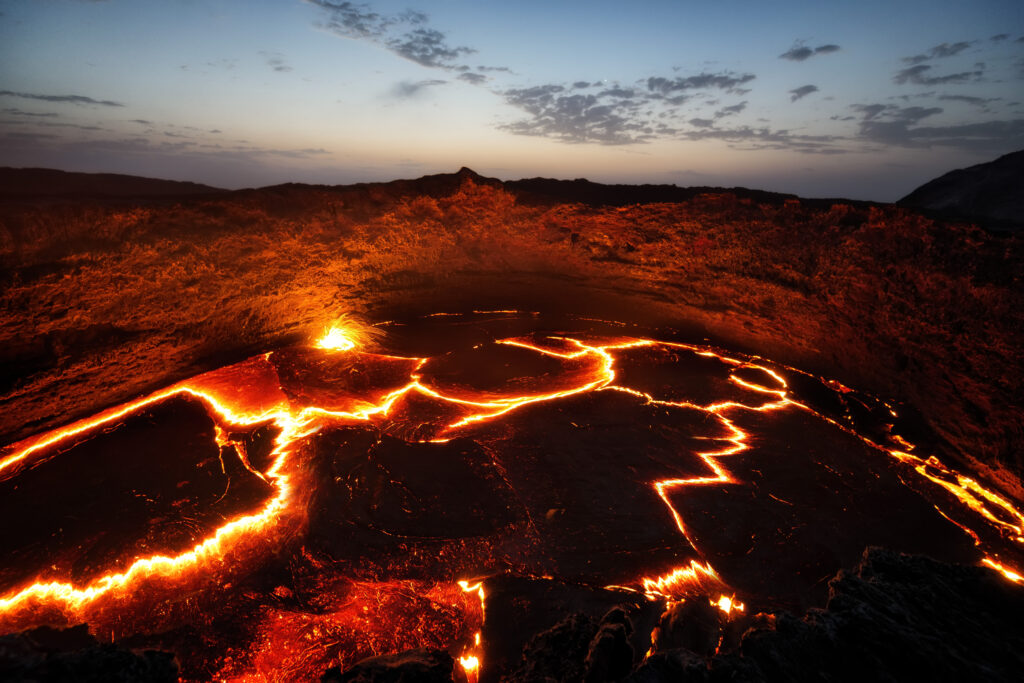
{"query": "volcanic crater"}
(557, 430)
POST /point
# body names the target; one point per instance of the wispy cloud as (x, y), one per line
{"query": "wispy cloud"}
(569, 116)
(428, 47)
(72, 99)
(731, 110)
(12, 111)
(801, 92)
(588, 111)
(749, 138)
(725, 81)
(981, 102)
(918, 75)
(940, 51)
(276, 61)
(409, 89)
(406, 35)
(799, 52)
(472, 78)
(988, 136)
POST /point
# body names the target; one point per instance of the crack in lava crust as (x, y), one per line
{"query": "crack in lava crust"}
(592, 367)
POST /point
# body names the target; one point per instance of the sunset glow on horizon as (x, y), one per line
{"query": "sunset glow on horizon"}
(863, 100)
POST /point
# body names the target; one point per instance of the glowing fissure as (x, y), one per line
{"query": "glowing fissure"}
(471, 658)
(73, 598)
(698, 577)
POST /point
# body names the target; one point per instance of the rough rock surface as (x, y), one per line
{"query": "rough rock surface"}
(412, 666)
(893, 618)
(72, 655)
(578, 648)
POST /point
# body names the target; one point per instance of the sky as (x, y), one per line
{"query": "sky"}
(864, 100)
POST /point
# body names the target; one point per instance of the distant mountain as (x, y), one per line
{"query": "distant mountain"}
(550, 191)
(47, 182)
(993, 191)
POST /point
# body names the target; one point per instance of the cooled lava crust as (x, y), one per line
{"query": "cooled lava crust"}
(321, 504)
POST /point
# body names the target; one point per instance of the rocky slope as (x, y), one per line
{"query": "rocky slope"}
(47, 182)
(992, 192)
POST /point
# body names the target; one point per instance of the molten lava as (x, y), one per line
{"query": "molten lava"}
(351, 541)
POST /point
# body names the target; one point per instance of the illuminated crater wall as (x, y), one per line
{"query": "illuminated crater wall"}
(105, 299)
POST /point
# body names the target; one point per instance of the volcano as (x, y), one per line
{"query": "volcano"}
(561, 431)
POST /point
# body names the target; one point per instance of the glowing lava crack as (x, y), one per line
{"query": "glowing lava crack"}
(298, 393)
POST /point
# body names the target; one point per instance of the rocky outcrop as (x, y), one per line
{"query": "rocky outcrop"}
(892, 618)
(991, 192)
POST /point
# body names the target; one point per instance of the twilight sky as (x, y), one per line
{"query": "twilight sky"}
(864, 99)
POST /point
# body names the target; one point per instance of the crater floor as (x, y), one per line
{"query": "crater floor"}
(319, 504)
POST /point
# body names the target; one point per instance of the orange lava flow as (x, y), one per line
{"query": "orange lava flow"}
(72, 599)
(1003, 569)
(229, 407)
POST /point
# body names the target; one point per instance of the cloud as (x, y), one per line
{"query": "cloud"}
(799, 52)
(29, 137)
(575, 118)
(353, 20)
(592, 112)
(473, 78)
(275, 60)
(18, 112)
(618, 115)
(870, 111)
(947, 50)
(918, 76)
(803, 91)
(406, 34)
(940, 51)
(976, 101)
(726, 81)
(73, 99)
(998, 38)
(409, 89)
(889, 124)
(731, 110)
(747, 138)
(625, 93)
(989, 136)
(428, 47)
(892, 112)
